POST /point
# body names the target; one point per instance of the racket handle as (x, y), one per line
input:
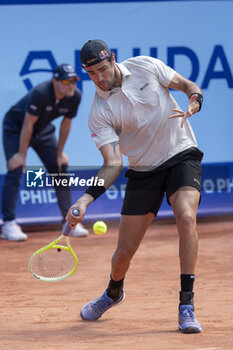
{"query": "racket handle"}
(67, 229)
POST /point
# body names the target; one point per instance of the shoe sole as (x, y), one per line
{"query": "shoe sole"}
(95, 319)
(190, 330)
(14, 240)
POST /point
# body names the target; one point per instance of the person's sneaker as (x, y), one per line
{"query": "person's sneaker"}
(79, 231)
(187, 322)
(12, 231)
(95, 308)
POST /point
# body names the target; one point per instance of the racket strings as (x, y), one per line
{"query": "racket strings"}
(53, 263)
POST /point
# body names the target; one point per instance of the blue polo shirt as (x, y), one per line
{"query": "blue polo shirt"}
(41, 102)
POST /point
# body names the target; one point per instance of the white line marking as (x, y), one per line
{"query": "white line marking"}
(207, 349)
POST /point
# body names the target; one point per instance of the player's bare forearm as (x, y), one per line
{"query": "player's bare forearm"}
(112, 166)
(110, 170)
(185, 85)
(193, 93)
(109, 173)
(192, 90)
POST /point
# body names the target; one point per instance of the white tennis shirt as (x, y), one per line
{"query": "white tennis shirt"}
(136, 115)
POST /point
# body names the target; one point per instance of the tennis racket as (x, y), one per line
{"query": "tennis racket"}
(55, 261)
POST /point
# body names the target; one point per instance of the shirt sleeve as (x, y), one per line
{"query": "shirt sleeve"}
(163, 72)
(102, 132)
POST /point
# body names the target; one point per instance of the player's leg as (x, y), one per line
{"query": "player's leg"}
(45, 144)
(142, 201)
(10, 189)
(184, 202)
(131, 233)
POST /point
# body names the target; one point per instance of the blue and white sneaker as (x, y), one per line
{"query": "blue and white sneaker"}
(187, 322)
(95, 308)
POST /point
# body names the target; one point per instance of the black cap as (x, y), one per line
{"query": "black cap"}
(64, 71)
(94, 49)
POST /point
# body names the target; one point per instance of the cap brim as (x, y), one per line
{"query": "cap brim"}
(71, 75)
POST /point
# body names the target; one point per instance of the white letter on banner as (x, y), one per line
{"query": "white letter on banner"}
(112, 192)
(229, 185)
(36, 196)
(208, 186)
(43, 192)
(221, 184)
(24, 196)
(52, 196)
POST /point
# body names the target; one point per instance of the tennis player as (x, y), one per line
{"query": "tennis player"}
(133, 113)
(28, 124)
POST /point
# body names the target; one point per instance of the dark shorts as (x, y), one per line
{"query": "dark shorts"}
(145, 190)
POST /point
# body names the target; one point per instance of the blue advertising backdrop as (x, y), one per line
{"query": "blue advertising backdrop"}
(193, 37)
(37, 202)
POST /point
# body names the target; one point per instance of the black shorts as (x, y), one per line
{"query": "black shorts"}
(145, 190)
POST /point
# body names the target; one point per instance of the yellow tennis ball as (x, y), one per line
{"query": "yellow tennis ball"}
(99, 228)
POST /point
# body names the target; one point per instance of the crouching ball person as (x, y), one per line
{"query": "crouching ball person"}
(28, 124)
(133, 113)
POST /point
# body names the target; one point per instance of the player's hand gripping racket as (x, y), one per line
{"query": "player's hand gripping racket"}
(55, 262)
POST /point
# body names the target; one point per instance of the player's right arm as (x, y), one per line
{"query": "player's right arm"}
(113, 165)
(109, 172)
(19, 158)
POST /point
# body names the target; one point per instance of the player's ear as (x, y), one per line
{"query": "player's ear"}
(113, 57)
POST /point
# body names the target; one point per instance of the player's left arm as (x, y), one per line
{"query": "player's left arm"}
(193, 92)
(62, 158)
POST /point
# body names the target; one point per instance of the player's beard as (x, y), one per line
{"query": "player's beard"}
(110, 85)
(114, 80)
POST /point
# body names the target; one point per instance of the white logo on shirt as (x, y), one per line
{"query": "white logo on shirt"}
(49, 108)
